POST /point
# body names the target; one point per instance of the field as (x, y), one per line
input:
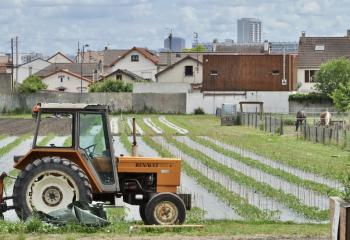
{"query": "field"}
(244, 182)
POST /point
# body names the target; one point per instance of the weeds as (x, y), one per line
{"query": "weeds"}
(6, 149)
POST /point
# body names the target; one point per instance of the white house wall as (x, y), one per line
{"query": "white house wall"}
(70, 82)
(161, 87)
(276, 102)
(177, 73)
(144, 67)
(305, 87)
(33, 67)
(59, 59)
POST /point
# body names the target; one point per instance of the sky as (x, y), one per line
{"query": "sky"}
(48, 26)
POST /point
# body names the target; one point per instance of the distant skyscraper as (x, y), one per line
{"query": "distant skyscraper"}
(177, 44)
(249, 30)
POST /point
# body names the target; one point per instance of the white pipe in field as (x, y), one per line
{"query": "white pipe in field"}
(173, 126)
(114, 125)
(155, 128)
(139, 131)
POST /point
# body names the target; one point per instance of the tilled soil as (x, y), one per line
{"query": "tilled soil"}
(16, 127)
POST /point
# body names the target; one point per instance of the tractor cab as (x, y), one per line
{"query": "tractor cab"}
(86, 129)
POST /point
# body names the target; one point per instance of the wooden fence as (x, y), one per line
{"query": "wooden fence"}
(326, 135)
(265, 122)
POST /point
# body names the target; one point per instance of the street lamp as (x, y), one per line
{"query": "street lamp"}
(81, 67)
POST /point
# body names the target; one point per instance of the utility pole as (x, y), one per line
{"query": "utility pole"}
(81, 68)
(170, 37)
(16, 61)
(12, 83)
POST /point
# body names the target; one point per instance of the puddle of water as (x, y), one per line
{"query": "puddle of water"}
(250, 195)
(297, 172)
(306, 196)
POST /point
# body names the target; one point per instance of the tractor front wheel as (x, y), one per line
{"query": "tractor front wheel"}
(49, 184)
(165, 209)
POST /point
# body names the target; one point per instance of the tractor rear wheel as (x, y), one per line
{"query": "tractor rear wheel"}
(165, 209)
(49, 184)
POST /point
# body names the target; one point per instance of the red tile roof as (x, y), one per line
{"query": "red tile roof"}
(144, 51)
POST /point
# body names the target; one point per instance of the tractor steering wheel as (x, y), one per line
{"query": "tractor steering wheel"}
(90, 150)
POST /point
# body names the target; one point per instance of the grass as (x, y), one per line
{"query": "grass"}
(288, 200)
(328, 161)
(45, 141)
(36, 229)
(124, 133)
(321, 188)
(68, 142)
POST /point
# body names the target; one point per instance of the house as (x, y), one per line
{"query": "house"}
(125, 76)
(167, 59)
(30, 68)
(66, 81)
(59, 58)
(259, 72)
(88, 70)
(5, 63)
(314, 51)
(187, 70)
(139, 61)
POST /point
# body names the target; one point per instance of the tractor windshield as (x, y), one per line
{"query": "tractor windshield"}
(94, 141)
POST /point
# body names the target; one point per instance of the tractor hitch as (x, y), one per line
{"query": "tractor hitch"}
(3, 204)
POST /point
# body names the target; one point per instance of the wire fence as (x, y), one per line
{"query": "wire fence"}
(266, 122)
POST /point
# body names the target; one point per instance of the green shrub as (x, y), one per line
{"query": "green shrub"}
(199, 111)
(312, 97)
(110, 85)
(31, 84)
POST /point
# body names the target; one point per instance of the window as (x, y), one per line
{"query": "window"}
(214, 73)
(310, 76)
(188, 70)
(134, 58)
(275, 72)
(319, 47)
(61, 78)
(119, 77)
(94, 142)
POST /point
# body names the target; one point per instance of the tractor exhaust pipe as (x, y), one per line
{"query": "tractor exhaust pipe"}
(134, 143)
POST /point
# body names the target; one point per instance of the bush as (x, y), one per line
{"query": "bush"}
(31, 85)
(311, 97)
(199, 111)
(110, 85)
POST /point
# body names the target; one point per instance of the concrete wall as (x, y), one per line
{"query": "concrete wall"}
(138, 102)
(161, 87)
(176, 73)
(117, 101)
(276, 102)
(158, 102)
(310, 107)
(5, 83)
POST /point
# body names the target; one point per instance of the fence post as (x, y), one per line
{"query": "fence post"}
(270, 122)
(316, 133)
(282, 130)
(323, 135)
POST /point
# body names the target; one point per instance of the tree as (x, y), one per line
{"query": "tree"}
(32, 84)
(198, 48)
(332, 74)
(341, 97)
(110, 85)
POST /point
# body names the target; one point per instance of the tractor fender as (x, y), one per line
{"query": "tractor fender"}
(70, 154)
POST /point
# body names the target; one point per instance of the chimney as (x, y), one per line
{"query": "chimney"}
(348, 33)
(303, 34)
(266, 46)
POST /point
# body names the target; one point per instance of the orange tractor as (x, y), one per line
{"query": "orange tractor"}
(52, 177)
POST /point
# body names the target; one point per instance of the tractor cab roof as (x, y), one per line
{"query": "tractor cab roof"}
(72, 107)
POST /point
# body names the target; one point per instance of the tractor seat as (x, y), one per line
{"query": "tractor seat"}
(102, 164)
